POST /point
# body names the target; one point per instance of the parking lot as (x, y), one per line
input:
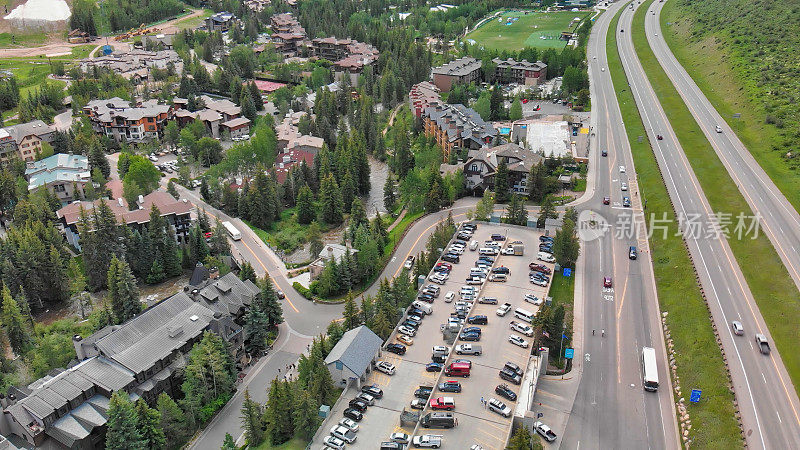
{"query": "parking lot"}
(476, 424)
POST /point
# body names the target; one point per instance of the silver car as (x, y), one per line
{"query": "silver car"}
(737, 328)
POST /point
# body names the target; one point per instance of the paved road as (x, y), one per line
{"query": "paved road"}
(603, 398)
(766, 399)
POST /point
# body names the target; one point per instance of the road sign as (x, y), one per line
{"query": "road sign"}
(569, 353)
(695, 397)
(567, 272)
(737, 115)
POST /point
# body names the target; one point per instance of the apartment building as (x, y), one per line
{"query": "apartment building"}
(144, 357)
(421, 96)
(349, 57)
(177, 214)
(461, 71)
(65, 175)
(481, 167)
(120, 120)
(457, 127)
(221, 21)
(287, 34)
(24, 140)
(525, 73)
(134, 65)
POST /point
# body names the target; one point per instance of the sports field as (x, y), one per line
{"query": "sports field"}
(516, 30)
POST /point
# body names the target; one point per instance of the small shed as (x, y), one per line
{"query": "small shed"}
(351, 359)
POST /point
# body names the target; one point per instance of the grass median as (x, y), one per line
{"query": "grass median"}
(769, 281)
(698, 358)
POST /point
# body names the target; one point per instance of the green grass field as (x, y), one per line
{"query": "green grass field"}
(769, 281)
(19, 40)
(536, 29)
(698, 358)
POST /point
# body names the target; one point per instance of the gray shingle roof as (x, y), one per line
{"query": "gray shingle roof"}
(356, 349)
(459, 67)
(228, 294)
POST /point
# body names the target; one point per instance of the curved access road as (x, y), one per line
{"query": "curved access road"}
(766, 399)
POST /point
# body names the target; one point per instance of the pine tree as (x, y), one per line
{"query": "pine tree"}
(149, 423)
(566, 246)
(267, 302)
(219, 240)
(515, 113)
(278, 413)
(306, 416)
(352, 316)
(123, 425)
(388, 194)
(247, 272)
(122, 291)
(536, 182)
(248, 106)
(172, 260)
(520, 440)
(501, 182)
(547, 211)
(305, 205)
(156, 274)
(358, 217)
(251, 421)
(314, 236)
(209, 373)
(173, 420)
(228, 443)
(331, 200)
(14, 323)
(348, 188)
(256, 329)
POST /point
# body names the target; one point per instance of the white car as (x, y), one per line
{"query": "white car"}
(333, 442)
(503, 309)
(343, 433)
(718, 129)
(507, 251)
(409, 263)
(545, 431)
(408, 331)
(517, 340)
(386, 367)
(400, 438)
(621, 169)
(499, 407)
(449, 296)
(349, 424)
(428, 441)
(539, 282)
(441, 350)
(623, 186)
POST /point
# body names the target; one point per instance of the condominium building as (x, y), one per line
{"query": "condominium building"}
(24, 140)
(520, 72)
(461, 71)
(349, 57)
(421, 96)
(287, 34)
(65, 175)
(134, 65)
(481, 167)
(120, 120)
(455, 127)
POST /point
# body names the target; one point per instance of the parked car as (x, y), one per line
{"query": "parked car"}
(402, 338)
(385, 367)
(353, 414)
(333, 442)
(545, 431)
(478, 320)
(418, 403)
(423, 392)
(503, 309)
(397, 349)
(471, 337)
(370, 400)
(499, 407)
(510, 376)
(433, 367)
(358, 404)
(428, 441)
(449, 296)
(488, 300)
(406, 330)
(539, 268)
(373, 390)
(517, 340)
(400, 438)
(450, 386)
(350, 424)
(443, 403)
(505, 391)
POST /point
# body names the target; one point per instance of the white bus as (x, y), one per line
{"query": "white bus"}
(235, 234)
(649, 369)
(524, 314)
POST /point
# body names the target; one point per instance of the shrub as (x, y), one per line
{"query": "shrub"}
(305, 292)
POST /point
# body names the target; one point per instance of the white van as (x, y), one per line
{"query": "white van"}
(546, 257)
(488, 251)
(473, 245)
(424, 307)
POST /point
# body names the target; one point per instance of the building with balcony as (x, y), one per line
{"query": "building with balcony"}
(349, 57)
(524, 73)
(421, 96)
(481, 167)
(457, 127)
(24, 140)
(122, 121)
(65, 175)
(461, 71)
(221, 21)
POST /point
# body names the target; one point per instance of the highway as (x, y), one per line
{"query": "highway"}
(611, 408)
(765, 396)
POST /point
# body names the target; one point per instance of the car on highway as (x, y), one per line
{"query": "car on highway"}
(449, 296)
(418, 403)
(607, 282)
(333, 442)
(406, 330)
(659, 137)
(737, 328)
(503, 309)
(545, 431)
(632, 253)
(400, 438)
(353, 414)
(478, 320)
(763, 343)
(350, 424)
(604, 152)
(397, 349)
(373, 390)
(443, 404)
(428, 441)
(517, 340)
(385, 367)
(450, 386)
(433, 367)
(718, 129)
(499, 407)
(623, 186)
(409, 262)
(626, 202)
(506, 392)
(621, 169)
(606, 200)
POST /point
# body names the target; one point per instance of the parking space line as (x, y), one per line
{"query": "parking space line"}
(484, 445)
(491, 424)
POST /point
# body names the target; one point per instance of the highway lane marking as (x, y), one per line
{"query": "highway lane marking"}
(765, 378)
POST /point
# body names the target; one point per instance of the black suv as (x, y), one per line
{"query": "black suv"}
(478, 320)
(513, 368)
(510, 376)
(503, 270)
(423, 392)
(504, 391)
(358, 404)
(374, 391)
(451, 258)
(397, 349)
(353, 414)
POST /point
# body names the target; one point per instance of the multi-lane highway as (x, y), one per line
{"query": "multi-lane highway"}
(766, 399)
(611, 409)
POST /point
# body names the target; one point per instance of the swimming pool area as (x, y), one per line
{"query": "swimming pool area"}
(505, 130)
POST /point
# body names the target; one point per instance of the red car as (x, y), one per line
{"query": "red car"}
(524, 100)
(539, 268)
(537, 107)
(606, 200)
(607, 282)
(445, 403)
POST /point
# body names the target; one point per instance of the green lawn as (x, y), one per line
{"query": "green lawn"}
(294, 444)
(30, 72)
(193, 22)
(394, 235)
(770, 283)
(698, 357)
(535, 29)
(22, 40)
